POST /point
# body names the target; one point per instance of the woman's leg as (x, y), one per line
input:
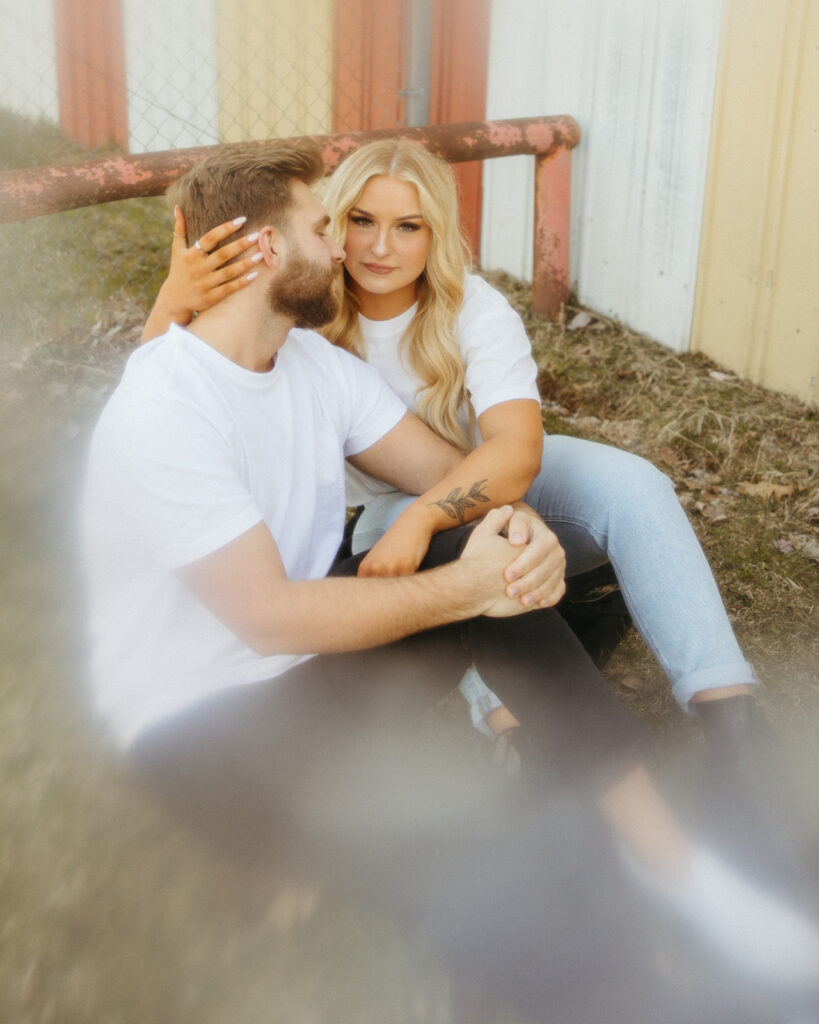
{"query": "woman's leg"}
(606, 504)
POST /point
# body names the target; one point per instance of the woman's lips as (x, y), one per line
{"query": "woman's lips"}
(377, 268)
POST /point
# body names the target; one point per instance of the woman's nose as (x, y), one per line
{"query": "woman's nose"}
(381, 245)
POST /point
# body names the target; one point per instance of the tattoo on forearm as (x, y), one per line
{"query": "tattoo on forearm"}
(456, 502)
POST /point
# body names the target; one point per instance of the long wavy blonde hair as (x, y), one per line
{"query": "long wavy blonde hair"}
(430, 341)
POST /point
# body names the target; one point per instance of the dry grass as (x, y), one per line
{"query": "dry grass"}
(113, 914)
(714, 435)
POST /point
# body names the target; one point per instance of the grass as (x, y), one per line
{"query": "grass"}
(111, 913)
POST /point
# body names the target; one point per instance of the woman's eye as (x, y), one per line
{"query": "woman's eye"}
(361, 222)
(409, 226)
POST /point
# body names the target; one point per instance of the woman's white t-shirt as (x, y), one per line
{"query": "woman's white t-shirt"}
(496, 354)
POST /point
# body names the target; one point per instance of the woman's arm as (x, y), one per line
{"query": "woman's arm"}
(497, 472)
(198, 277)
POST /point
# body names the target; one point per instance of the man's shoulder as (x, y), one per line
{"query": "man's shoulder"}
(311, 347)
(161, 381)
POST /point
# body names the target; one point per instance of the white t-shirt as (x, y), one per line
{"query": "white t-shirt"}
(496, 354)
(190, 452)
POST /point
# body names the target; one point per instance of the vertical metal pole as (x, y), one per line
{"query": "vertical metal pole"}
(550, 275)
(417, 61)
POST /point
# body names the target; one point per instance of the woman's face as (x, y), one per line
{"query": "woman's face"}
(387, 245)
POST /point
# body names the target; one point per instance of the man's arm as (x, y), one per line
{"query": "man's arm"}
(498, 471)
(245, 585)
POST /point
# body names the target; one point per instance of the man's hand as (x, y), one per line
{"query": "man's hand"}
(537, 576)
(488, 554)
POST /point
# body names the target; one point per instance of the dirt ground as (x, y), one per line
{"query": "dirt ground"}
(112, 913)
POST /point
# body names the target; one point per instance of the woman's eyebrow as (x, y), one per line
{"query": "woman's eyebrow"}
(366, 213)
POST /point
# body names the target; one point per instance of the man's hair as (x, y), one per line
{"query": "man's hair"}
(245, 180)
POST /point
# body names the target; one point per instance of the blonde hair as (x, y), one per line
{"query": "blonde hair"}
(430, 341)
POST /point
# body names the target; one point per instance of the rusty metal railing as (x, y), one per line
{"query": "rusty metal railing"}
(34, 192)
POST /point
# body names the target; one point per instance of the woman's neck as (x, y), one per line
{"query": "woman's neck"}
(375, 306)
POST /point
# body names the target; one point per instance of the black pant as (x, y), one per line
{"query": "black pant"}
(513, 881)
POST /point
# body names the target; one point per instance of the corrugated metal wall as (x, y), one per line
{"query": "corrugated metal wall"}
(275, 68)
(757, 306)
(639, 77)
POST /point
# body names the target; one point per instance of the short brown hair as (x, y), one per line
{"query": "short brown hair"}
(248, 180)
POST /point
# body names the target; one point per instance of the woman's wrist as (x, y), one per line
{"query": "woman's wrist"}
(166, 306)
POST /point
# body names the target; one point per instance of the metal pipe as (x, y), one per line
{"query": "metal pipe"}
(36, 191)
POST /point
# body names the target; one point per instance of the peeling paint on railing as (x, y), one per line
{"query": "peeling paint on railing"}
(37, 191)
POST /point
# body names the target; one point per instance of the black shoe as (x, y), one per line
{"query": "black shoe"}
(751, 813)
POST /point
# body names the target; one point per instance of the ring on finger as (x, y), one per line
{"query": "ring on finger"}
(196, 245)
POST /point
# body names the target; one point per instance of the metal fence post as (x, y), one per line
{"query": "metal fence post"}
(550, 273)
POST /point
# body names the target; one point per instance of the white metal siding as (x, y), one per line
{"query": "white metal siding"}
(638, 75)
(171, 74)
(28, 58)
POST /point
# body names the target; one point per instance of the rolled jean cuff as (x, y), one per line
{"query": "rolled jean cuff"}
(736, 674)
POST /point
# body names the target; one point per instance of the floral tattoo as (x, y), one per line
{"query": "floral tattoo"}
(456, 502)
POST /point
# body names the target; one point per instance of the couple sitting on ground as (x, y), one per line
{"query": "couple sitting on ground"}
(273, 704)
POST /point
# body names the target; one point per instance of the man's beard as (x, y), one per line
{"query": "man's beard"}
(305, 292)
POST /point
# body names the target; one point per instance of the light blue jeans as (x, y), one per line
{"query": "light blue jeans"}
(605, 504)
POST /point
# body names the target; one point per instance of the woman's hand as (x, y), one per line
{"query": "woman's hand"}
(198, 277)
(401, 550)
(537, 575)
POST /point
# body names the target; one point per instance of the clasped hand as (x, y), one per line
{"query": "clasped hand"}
(531, 559)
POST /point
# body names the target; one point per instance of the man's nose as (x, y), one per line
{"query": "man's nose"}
(337, 253)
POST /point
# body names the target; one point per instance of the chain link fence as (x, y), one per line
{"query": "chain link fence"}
(81, 80)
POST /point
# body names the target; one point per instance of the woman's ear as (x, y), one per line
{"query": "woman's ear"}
(270, 245)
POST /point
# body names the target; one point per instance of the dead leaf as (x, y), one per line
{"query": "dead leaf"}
(717, 375)
(579, 320)
(765, 490)
(715, 513)
(805, 545)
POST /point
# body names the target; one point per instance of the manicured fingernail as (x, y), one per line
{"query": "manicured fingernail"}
(250, 276)
(514, 591)
(253, 237)
(516, 538)
(239, 221)
(257, 257)
(528, 600)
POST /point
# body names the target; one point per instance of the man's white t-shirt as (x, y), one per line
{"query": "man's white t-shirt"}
(495, 350)
(190, 452)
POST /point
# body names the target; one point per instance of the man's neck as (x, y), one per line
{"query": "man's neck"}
(246, 332)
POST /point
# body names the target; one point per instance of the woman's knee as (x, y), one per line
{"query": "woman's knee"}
(599, 473)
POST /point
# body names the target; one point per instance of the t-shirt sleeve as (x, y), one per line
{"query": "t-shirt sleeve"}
(495, 348)
(373, 408)
(172, 478)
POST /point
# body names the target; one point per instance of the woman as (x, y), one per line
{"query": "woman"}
(454, 349)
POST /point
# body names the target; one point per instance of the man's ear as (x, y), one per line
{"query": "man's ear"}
(270, 246)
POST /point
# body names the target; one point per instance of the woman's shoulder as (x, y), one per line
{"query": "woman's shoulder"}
(487, 315)
(481, 299)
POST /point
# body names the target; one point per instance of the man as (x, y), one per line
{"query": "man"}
(214, 507)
